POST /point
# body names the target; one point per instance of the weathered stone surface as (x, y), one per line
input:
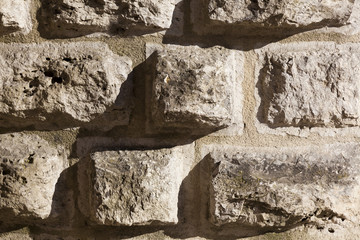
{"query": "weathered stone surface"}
(59, 85)
(311, 84)
(15, 16)
(29, 170)
(194, 87)
(273, 17)
(70, 18)
(277, 189)
(280, 12)
(133, 187)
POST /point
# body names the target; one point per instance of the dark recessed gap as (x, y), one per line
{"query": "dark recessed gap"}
(6, 171)
(24, 180)
(31, 158)
(34, 83)
(49, 74)
(48, 59)
(56, 80)
(67, 59)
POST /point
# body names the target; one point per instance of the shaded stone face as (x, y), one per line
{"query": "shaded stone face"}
(80, 17)
(281, 13)
(281, 188)
(133, 187)
(15, 16)
(315, 85)
(192, 87)
(63, 84)
(29, 171)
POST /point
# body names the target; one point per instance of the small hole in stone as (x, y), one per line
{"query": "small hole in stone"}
(48, 59)
(331, 230)
(31, 158)
(49, 74)
(56, 80)
(34, 83)
(6, 171)
(67, 59)
(24, 181)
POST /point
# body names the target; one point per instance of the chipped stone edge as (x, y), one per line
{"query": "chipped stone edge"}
(215, 149)
(26, 28)
(263, 128)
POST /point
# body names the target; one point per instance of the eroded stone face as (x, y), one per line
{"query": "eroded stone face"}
(29, 171)
(133, 187)
(70, 18)
(15, 16)
(311, 85)
(280, 12)
(193, 87)
(282, 188)
(58, 85)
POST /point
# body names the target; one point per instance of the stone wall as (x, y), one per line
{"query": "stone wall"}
(179, 119)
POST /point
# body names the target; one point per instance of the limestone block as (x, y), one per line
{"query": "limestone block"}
(280, 12)
(310, 85)
(15, 16)
(280, 188)
(273, 17)
(194, 88)
(59, 85)
(29, 169)
(133, 187)
(69, 18)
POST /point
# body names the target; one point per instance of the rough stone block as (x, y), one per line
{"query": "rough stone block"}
(280, 188)
(309, 85)
(133, 187)
(280, 12)
(15, 16)
(59, 85)
(273, 17)
(29, 169)
(194, 88)
(70, 18)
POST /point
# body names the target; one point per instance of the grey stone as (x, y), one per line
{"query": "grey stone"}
(280, 188)
(193, 88)
(280, 12)
(59, 85)
(29, 169)
(81, 17)
(15, 16)
(311, 85)
(133, 187)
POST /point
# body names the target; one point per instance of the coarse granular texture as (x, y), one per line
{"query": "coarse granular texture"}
(199, 119)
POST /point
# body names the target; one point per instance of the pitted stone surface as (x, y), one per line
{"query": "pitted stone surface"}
(280, 12)
(133, 187)
(58, 84)
(29, 170)
(284, 187)
(15, 16)
(70, 18)
(311, 84)
(193, 87)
